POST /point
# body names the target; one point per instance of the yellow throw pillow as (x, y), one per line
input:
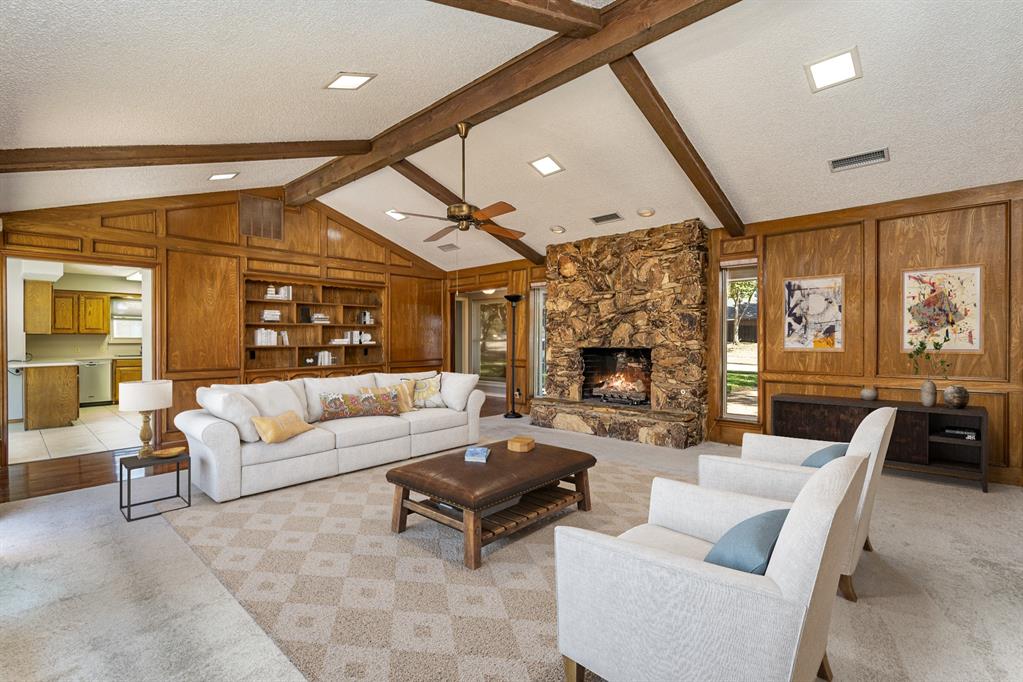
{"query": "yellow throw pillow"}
(280, 428)
(405, 389)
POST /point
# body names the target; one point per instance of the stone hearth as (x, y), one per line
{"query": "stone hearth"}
(643, 289)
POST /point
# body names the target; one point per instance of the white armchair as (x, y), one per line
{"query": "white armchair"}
(645, 606)
(770, 466)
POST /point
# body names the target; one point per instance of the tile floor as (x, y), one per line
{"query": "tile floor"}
(97, 429)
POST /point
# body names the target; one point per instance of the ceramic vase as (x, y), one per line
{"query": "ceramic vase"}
(868, 393)
(956, 396)
(928, 393)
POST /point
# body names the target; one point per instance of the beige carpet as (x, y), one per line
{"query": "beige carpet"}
(319, 569)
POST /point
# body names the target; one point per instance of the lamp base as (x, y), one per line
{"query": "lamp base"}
(512, 415)
(146, 435)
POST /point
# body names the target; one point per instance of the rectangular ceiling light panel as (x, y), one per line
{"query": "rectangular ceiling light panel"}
(835, 70)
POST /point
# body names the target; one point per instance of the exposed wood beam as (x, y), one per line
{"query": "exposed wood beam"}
(561, 16)
(636, 82)
(70, 158)
(628, 26)
(447, 197)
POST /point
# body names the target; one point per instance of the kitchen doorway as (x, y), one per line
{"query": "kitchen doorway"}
(74, 332)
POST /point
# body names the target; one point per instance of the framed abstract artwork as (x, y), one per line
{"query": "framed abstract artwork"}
(943, 305)
(813, 313)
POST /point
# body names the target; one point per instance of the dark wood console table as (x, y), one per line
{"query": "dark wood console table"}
(918, 441)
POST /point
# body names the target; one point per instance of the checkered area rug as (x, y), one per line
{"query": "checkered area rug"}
(317, 566)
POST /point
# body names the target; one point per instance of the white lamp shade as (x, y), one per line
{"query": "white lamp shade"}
(142, 396)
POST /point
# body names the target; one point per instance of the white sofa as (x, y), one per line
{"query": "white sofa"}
(226, 467)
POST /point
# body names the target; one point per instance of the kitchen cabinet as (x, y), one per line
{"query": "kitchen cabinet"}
(65, 312)
(38, 307)
(93, 313)
(126, 370)
(51, 396)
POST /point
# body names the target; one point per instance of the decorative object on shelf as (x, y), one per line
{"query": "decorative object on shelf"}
(868, 393)
(304, 314)
(366, 337)
(928, 393)
(277, 293)
(477, 454)
(935, 365)
(942, 305)
(521, 444)
(514, 299)
(365, 317)
(165, 453)
(310, 361)
(956, 396)
(813, 313)
(145, 397)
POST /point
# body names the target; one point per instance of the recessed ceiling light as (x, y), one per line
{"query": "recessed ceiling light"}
(134, 277)
(350, 81)
(396, 215)
(834, 70)
(557, 229)
(223, 176)
(489, 291)
(645, 212)
(546, 166)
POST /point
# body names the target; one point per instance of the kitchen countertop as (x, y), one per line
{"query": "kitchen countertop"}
(42, 363)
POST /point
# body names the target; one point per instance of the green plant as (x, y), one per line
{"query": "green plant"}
(934, 363)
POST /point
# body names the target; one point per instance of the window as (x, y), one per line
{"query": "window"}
(538, 337)
(739, 337)
(488, 342)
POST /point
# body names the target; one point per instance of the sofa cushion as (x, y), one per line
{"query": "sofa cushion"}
(339, 385)
(747, 546)
(391, 379)
(271, 398)
(298, 388)
(825, 455)
(310, 442)
(435, 419)
(455, 388)
(362, 430)
(659, 537)
(280, 428)
(230, 406)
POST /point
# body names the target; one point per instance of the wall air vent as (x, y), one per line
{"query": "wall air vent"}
(607, 218)
(448, 247)
(859, 160)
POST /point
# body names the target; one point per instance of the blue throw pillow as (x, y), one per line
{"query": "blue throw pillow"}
(825, 455)
(747, 545)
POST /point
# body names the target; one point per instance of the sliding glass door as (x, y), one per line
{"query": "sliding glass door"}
(488, 342)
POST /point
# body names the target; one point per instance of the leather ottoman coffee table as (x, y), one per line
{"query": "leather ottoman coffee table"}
(459, 493)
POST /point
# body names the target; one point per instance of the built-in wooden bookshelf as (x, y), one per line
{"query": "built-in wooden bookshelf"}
(344, 308)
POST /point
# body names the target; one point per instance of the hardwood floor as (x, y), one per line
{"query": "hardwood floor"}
(51, 476)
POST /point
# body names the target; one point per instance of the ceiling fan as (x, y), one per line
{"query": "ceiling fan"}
(464, 215)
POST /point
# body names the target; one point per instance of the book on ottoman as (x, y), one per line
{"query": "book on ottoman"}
(477, 454)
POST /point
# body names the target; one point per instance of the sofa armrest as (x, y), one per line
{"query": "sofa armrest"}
(701, 512)
(215, 449)
(473, 407)
(754, 477)
(780, 449)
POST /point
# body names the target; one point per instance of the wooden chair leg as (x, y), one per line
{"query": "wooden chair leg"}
(824, 672)
(867, 547)
(845, 586)
(573, 671)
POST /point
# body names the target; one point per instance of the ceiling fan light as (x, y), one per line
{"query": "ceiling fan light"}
(489, 291)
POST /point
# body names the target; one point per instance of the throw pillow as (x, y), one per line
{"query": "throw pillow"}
(345, 405)
(231, 407)
(339, 385)
(747, 546)
(825, 455)
(455, 388)
(280, 428)
(270, 399)
(404, 388)
(427, 393)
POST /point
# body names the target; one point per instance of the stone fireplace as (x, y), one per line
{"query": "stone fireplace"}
(626, 336)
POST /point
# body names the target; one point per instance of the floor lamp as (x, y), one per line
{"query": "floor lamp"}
(511, 413)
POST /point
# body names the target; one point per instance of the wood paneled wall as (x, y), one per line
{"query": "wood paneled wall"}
(199, 260)
(870, 246)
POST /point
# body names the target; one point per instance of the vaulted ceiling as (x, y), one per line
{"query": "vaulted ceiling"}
(942, 87)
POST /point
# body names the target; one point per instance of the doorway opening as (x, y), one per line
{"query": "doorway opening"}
(481, 338)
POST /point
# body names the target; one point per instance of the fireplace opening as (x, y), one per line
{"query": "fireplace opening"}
(617, 375)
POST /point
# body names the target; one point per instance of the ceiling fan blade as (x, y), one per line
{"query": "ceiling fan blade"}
(440, 233)
(422, 215)
(493, 228)
(493, 210)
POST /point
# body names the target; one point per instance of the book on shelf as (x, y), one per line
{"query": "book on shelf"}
(962, 432)
(477, 454)
(266, 337)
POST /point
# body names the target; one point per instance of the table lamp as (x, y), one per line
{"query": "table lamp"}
(144, 397)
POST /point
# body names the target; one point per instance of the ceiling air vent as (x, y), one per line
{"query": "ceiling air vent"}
(859, 160)
(448, 247)
(607, 218)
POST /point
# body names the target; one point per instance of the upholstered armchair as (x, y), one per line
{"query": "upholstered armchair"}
(646, 606)
(771, 466)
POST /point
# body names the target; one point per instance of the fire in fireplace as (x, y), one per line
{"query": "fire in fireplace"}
(617, 375)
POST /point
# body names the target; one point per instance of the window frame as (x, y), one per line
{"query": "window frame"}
(724, 280)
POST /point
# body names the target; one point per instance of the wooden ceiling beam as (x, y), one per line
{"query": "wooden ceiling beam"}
(71, 158)
(561, 16)
(637, 83)
(444, 195)
(628, 26)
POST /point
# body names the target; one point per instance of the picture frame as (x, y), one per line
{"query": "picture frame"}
(814, 313)
(931, 297)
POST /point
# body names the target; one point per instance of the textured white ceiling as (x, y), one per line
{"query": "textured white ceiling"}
(613, 162)
(105, 72)
(942, 87)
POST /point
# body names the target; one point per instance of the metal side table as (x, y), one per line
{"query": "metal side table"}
(129, 464)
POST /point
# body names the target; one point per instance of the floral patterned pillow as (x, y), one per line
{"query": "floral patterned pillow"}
(427, 393)
(344, 405)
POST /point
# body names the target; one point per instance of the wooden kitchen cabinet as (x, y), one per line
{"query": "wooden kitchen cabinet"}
(93, 313)
(38, 307)
(65, 312)
(126, 370)
(51, 396)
